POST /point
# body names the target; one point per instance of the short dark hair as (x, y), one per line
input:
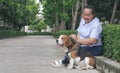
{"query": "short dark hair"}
(90, 7)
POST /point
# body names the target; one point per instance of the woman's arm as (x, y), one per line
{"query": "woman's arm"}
(88, 41)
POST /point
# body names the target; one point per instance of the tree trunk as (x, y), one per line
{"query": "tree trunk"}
(114, 11)
(53, 27)
(63, 26)
(56, 22)
(74, 14)
(84, 3)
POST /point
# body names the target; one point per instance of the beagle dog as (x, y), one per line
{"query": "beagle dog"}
(78, 57)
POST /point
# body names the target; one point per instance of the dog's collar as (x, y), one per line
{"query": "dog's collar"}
(70, 46)
(67, 56)
(70, 49)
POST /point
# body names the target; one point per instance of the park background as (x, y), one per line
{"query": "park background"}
(55, 17)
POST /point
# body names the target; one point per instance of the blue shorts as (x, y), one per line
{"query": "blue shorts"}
(95, 51)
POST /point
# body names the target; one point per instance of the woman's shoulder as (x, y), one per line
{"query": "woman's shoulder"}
(96, 22)
(96, 19)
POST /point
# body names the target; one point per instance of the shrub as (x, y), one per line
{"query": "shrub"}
(111, 41)
(39, 33)
(66, 32)
(10, 33)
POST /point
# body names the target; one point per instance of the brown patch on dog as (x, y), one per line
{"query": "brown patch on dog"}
(92, 61)
(66, 40)
(73, 54)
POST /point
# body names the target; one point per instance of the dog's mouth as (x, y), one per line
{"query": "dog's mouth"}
(60, 45)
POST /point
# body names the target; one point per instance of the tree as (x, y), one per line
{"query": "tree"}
(18, 13)
(60, 13)
(57, 14)
(84, 3)
(114, 11)
(63, 14)
(62, 24)
(40, 25)
(74, 14)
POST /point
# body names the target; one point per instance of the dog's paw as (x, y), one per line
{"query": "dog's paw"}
(89, 67)
(77, 67)
(69, 67)
(57, 63)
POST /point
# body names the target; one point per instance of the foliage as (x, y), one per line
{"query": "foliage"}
(63, 8)
(10, 33)
(111, 41)
(39, 33)
(103, 10)
(40, 25)
(18, 13)
(66, 32)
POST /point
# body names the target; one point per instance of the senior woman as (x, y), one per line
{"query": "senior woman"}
(89, 34)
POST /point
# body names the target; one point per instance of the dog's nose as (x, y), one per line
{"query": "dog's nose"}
(57, 41)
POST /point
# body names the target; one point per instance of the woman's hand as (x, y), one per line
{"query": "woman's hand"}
(88, 41)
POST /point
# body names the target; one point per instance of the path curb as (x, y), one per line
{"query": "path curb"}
(105, 65)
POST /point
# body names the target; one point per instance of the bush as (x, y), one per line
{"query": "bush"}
(39, 33)
(66, 32)
(10, 33)
(111, 41)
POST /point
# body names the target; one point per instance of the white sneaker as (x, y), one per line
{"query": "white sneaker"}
(57, 63)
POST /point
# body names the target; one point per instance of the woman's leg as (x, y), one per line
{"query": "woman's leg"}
(95, 50)
(65, 61)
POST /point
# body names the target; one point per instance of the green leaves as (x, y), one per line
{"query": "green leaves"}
(38, 26)
(19, 12)
(10, 33)
(66, 32)
(104, 8)
(58, 11)
(111, 41)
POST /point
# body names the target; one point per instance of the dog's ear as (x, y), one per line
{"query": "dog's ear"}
(72, 40)
(67, 41)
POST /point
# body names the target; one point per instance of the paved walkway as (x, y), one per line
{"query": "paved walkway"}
(32, 54)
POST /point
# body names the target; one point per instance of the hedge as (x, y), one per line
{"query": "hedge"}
(40, 33)
(110, 40)
(10, 33)
(66, 32)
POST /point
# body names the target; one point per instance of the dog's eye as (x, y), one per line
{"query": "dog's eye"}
(62, 38)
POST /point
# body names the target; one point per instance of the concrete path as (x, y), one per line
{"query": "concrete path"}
(32, 54)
